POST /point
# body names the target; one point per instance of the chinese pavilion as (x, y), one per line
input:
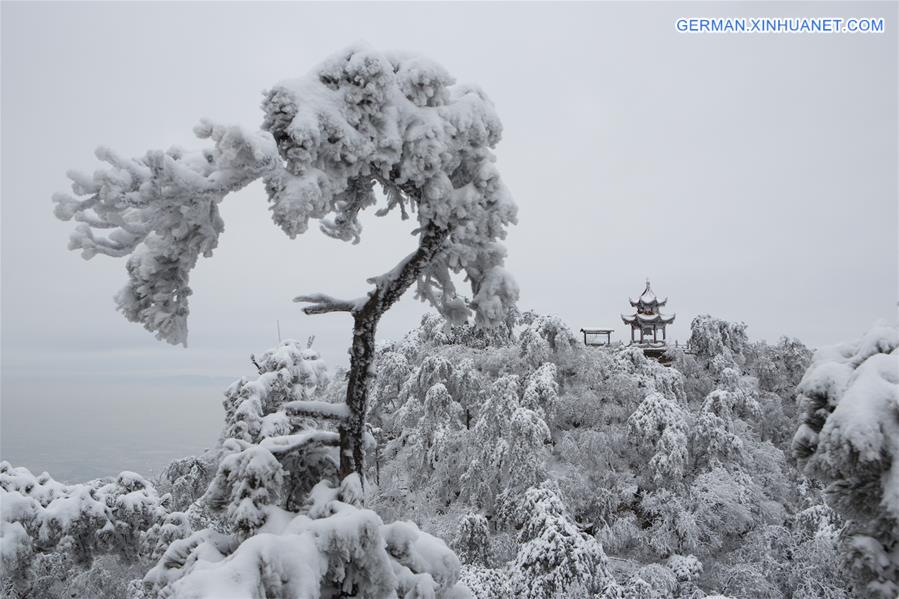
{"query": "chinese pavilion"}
(648, 321)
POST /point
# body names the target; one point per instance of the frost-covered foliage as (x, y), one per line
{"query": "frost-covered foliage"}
(649, 375)
(361, 119)
(472, 541)
(555, 559)
(273, 519)
(40, 516)
(333, 547)
(162, 210)
(508, 442)
(849, 439)
(486, 583)
(670, 468)
(553, 470)
(291, 372)
(658, 428)
(544, 337)
(779, 368)
(281, 523)
(713, 338)
(186, 479)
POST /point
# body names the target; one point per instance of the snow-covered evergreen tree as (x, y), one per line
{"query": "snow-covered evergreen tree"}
(714, 338)
(658, 429)
(849, 438)
(555, 559)
(360, 120)
(472, 540)
(283, 522)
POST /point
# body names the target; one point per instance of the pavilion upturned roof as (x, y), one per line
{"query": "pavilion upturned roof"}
(648, 318)
(648, 298)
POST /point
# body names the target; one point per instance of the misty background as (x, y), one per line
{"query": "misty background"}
(752, 177)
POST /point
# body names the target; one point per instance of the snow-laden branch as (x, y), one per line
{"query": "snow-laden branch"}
(288, 443)
(323, 304)
(162, 210)
(316, 409)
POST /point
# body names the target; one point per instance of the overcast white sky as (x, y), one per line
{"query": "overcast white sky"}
(751, 177)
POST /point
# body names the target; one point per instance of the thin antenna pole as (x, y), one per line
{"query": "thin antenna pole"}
(278, 323)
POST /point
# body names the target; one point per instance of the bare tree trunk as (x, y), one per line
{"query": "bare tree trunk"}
(388, 289)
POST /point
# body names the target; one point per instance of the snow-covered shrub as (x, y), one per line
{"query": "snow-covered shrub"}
(659, 429)
(686, 568)
(750, 581)
(435, 329)
(186, 479)
(472, 541)
(723, 509)
(290, 372)
(480, 483)
(282, 524)
(508, 446)
(541, 391)
(715, 443)
(779, 368)
(670, 524)
(467, 386)
(246, 483)
(849, 438)
(528, 434)
(650, 375)
(80, 522)
(712, 337)
(392, 372)
(486, 583)
(173, 527)
(546, 339)
(333, 548)
(555, 558)
(735, 398)
(660, 582)
(774, 422)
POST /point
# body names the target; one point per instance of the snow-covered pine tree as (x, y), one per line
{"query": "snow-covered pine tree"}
(281, 521)
(849, 439)
(712, 337)
(508, 446)
(361, 119)
(658, 429)
(472, 541)
(555, 559)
